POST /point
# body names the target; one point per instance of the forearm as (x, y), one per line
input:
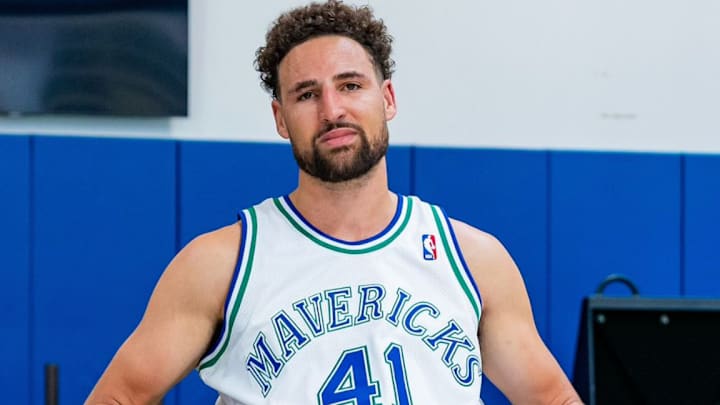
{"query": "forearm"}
(101, 396)
(548, 386)
(574, 401)
(567, 397)
(127, 382)
(99, 401)
(105, 395)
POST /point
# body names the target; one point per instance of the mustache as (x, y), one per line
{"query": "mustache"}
(329, 126)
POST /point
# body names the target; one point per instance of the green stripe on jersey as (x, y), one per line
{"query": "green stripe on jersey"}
(241, 292)
(454, 262)
(300, 228)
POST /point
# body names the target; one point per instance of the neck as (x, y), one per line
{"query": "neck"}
(353, 210)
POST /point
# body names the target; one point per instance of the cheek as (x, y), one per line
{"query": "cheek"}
(300, 126)
(375, 107)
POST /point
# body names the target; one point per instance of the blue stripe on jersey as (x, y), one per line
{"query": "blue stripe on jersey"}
(242, 217)
(460, 255)
(395, 218)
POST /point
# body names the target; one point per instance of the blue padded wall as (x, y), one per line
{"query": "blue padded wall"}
(15, 268)
(400, 168)
(501, 192)
(702, 221)
(217, 179)
(104, 230)
(610, 213)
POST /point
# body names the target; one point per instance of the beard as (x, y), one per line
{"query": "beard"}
(332, 166)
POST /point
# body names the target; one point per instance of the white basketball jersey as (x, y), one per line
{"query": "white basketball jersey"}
(311, 319)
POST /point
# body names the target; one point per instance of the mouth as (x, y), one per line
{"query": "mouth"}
(338, 137)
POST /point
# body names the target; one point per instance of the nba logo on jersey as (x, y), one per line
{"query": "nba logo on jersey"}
(428, 244)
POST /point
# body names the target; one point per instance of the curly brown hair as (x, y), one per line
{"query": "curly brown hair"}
(316, 19)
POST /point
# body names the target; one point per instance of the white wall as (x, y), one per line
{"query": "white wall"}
(560, 74)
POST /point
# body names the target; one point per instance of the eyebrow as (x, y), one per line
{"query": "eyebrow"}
(349, 75)
(300, 86)
(303, 85)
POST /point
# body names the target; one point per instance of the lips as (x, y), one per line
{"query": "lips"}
(338, 137)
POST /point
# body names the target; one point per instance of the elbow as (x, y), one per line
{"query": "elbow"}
(567, 396)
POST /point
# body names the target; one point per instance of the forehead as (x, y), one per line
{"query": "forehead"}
(324, 56)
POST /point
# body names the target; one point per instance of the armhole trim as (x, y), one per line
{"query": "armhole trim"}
(456, 259)
(243, 269)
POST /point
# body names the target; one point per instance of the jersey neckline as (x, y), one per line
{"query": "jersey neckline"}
(382, 239)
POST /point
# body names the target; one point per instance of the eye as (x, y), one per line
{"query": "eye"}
(352, 86)
(306, 96)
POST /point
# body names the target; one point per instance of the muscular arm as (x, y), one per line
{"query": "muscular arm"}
(514, 356)
(178, 325)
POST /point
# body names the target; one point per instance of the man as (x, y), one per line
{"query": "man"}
(342, 291)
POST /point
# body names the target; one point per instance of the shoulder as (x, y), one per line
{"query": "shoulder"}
(203, 269)
(478, 247)
(217, 246)
(493, 269)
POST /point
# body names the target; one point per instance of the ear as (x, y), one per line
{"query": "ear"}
(389, 100)
(279, 120)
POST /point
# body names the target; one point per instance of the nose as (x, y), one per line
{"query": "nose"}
(332, 108)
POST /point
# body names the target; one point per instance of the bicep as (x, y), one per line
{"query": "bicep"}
(514, 356)
(516, 360)
(163, 348)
